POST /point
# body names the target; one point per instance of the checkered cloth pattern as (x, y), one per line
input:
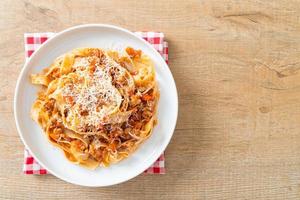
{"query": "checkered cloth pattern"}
(34, 40)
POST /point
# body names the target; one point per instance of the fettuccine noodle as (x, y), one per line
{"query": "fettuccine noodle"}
(97, 106)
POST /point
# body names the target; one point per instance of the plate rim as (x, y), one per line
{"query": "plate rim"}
(22, 73)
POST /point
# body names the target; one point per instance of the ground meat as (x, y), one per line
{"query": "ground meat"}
(84, 113)
(66, 112)
(49, 106)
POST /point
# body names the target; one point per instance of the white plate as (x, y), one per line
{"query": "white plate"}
(50, 157)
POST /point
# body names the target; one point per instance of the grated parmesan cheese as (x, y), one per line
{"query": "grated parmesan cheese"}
(97, 96)
(81, 62)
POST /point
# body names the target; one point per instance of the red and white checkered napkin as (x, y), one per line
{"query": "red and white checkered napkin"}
(34, 40)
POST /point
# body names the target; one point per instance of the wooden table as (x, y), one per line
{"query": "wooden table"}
(236, 65)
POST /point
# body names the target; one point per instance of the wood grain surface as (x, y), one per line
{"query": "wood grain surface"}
(237, 68)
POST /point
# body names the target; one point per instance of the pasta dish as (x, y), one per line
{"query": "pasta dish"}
(97, 106)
